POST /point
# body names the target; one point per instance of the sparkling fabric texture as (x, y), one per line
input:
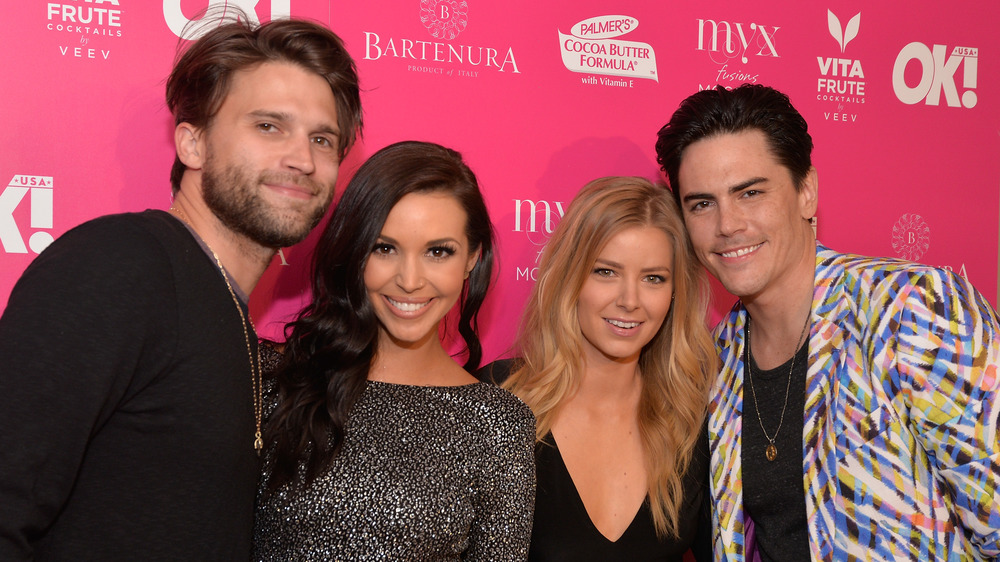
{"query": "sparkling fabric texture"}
(426, 473)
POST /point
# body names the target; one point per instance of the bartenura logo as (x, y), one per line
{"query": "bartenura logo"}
(83, 23)
(537, 220)
(444, 19)
(176, 20)
(11, 235)
(911, 237)
(937, 74)
(842, 80)
(739, 41)
(590, 48)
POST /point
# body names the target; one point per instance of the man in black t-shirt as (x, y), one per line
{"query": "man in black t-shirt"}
(855, 414)
(130, 388)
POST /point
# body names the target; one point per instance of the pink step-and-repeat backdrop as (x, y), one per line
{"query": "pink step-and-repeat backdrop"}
(540, 97)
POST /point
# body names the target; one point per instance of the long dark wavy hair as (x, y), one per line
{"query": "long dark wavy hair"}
(331, 344)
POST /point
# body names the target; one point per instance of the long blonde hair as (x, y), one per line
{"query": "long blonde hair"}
(676, 365)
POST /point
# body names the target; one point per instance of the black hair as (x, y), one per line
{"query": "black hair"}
(720, 111)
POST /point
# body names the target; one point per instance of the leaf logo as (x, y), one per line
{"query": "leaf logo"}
(850, 32)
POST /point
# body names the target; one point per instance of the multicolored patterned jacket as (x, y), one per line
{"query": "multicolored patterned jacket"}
(901, 457)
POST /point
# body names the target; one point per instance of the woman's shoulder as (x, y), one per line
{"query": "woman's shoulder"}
(493, 406)
(498, 371)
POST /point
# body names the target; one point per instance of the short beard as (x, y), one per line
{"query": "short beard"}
(232, 196)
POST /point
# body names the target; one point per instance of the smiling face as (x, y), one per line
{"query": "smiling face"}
(418, 267)
(748, 224)
(268, 160)
(626, 297)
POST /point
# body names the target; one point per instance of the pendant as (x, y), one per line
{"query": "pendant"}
(771, 452)
(258, 444)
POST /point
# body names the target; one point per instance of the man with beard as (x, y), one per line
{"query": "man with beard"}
(130, 391)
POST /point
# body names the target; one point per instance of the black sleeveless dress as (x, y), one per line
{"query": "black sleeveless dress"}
(563, 531)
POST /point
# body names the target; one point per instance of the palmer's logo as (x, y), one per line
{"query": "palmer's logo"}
(176, 20)
(911, 237)
(444, 20)
(38, 191)
(591, 48)
(537, 220)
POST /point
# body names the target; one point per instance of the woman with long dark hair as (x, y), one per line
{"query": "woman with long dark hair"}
(380, 446)
(615, 363)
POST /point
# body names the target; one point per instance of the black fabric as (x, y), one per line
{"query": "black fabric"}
(563, 531)
(497, 371)
(773, 491)
(126, 401)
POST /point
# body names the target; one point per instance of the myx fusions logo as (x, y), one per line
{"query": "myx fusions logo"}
(537, 219)
(444, 20)
(591, 48)
(734, 46)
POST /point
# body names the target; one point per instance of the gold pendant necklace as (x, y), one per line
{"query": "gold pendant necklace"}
(771, 452)
(255, 374)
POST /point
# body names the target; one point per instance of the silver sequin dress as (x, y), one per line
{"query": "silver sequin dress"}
(425, 473)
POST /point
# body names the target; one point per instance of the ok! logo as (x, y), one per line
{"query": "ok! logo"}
(176, 20)
(11, 234)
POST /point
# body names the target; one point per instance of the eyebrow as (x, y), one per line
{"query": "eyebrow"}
(733, 189)
(283, 117)
(617, 265)
(436, 242)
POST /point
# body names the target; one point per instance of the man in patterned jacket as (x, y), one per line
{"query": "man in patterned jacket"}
(856, 413)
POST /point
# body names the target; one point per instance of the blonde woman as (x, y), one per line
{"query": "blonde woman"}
(615, 364)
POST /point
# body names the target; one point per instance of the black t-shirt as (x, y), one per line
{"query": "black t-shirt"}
(126, 400)
(773, 491)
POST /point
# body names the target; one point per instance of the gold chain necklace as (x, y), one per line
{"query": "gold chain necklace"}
(771, 452)
(255, 374)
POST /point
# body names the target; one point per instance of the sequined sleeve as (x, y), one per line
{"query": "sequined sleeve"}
(505, 495)
(270, 358)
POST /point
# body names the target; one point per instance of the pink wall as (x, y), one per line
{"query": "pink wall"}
(540, 97)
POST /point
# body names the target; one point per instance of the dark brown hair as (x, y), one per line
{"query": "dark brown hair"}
(331, 345)
(202, 75)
